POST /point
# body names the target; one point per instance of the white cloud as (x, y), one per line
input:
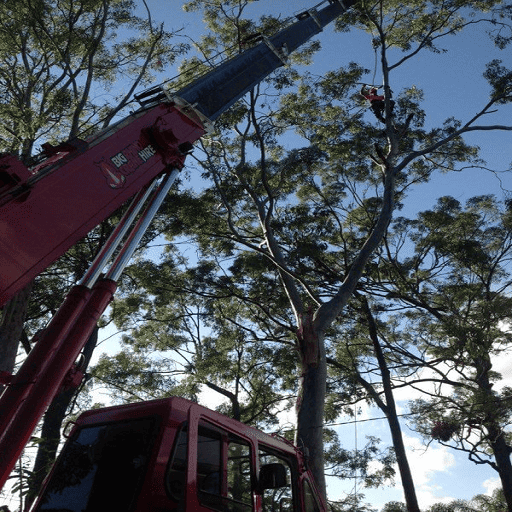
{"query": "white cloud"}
(425, 464)
(210, 398)
(491, 484)
(503, 365)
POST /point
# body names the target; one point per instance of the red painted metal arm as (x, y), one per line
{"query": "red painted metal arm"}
(36, 384)
(47, 367)
(47, 209)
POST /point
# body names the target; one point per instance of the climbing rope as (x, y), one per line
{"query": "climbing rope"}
(355, 450)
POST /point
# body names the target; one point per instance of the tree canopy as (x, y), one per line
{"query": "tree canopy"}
(287, 235)
(287, 280)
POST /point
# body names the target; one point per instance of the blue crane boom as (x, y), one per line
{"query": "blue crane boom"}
(213, 93)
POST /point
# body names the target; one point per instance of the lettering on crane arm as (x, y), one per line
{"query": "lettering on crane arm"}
(126, 162)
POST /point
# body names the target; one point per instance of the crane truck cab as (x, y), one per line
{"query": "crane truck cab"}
(175, 455)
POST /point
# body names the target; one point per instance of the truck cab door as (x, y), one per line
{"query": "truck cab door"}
(277, 482)
(211, 469)
(309, 497)
(214, 469)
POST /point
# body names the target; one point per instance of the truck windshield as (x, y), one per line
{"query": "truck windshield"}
(101, 468)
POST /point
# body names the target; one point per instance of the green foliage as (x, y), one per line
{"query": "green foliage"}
(347, 464)
(394, 506)
(479, 503)
(199, 349)
(55, 53)
(134, 377)
(453, 288)
(501, 80)
(494, 503)
(351, 503)
(420, 25)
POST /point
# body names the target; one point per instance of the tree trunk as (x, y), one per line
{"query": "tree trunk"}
(389, 410)
(51, 428)
(502, 452)
(11, 328)
(403, 464)
(236, 411)
(495, 435)
(311, 399)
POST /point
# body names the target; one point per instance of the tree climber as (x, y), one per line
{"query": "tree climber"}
(377, 102)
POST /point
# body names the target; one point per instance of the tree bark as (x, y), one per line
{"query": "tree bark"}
(51, 427)
(11, 328)
(403, 464)
(236, 413)
(495, 435)
(502, 452)
(389, 410)
(311, 332)
(311, 399)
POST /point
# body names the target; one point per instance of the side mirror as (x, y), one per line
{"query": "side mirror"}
(273, 476)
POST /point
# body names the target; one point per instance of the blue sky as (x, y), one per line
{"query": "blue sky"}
(453, 86)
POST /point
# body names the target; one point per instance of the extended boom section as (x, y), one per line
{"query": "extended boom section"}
(222, 87)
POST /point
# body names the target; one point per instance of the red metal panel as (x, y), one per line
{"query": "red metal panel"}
(174, 411)
(85, 187)
(40, 357)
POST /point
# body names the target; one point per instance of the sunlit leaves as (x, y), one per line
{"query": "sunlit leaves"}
(55, 53)
(500, 79)
(420, 25)
(455, 288)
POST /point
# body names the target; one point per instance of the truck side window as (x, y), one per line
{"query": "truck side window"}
(280, 498)
(209, 462)
(239, 474)
(223, 471)
(310, 503)
(101, 468)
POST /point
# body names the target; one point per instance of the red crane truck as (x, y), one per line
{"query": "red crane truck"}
(167, 454)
